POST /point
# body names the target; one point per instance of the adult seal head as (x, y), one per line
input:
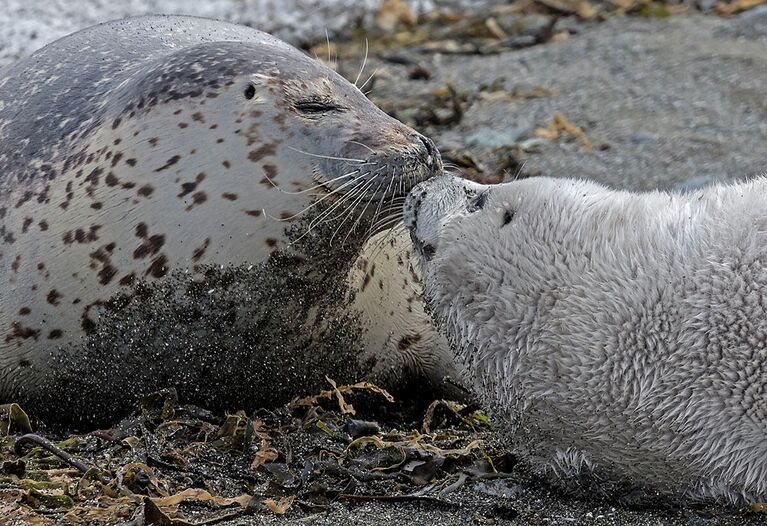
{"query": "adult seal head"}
(182, 203)
(621, 335)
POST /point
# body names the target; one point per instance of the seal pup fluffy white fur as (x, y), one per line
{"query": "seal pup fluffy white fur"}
(622, 336)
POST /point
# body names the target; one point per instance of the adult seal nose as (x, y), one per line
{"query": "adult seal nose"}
(429, 150)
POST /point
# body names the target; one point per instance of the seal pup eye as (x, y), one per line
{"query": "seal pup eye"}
(508, 215)
(250, 91)
(478, 203)
(316, 107)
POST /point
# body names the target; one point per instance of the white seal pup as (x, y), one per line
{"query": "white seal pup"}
(136, 149)
(621, 335)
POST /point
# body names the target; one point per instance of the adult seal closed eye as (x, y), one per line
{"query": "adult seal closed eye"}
(620, 335)
(183, 202)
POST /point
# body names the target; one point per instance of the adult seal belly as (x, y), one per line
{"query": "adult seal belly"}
(184, 203)
(622, 335)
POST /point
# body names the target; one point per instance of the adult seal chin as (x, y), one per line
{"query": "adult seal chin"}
(182, 203)
(621, 336)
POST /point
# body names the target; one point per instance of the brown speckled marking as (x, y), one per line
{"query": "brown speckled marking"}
(53, 297)
(158, 268)
(227, 164)
(103, 256)
(199, 252)
(264, 151)
(145, 191)
(170, 162)
(55, 334)
(197, 199)
(229, 196)
(253, 213)
(20, 332)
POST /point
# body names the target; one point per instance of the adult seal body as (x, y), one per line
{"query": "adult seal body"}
(171, 150)
(622, 335)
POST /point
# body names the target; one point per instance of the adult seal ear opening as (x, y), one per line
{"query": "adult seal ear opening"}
(621, 336)
(182, 202)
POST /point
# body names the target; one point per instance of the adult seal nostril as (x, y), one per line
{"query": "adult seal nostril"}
(431, 149)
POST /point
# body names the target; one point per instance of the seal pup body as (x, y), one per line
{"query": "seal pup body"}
(622, 335)
(142, 146)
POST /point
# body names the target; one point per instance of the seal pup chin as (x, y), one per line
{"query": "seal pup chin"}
(622, 337)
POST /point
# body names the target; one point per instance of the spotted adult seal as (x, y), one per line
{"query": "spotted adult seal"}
(133, 150)
(622, 335)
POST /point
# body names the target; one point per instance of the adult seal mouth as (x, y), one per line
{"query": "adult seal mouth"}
(620, 336)
(184, 203)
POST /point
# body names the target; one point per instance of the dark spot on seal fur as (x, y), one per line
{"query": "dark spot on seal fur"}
(24, 311)
(150, 246)
(145, 191)
(20, 332)
(25, 225)
(271, 242)
(197, 199)
(158, 268)
(55, 334)
(142, 230)
(254, 213)
(227, 164)
(53, 297)
(170, 162)
(130, 162)
(263, 151)
(229, 196)
(271, 170)
(200, 251)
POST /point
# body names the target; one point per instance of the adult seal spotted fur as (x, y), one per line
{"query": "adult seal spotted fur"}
(622, 335)
(185, 203)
